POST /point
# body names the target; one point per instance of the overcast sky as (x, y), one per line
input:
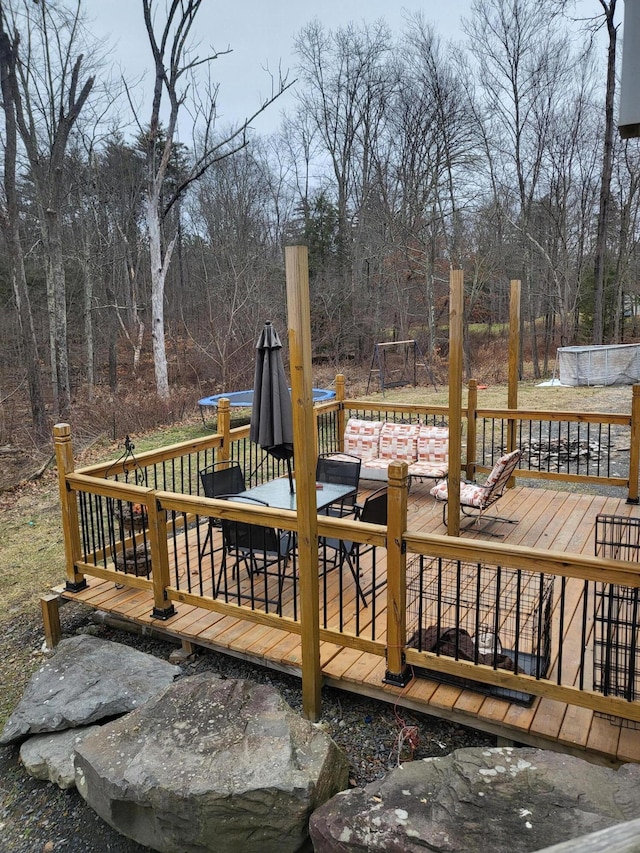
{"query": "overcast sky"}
(260, 34)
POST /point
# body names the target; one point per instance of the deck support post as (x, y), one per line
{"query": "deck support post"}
(456, 317)
(514, 361)
(472, 419)
(162, 607)
(69, 506)
(304, 427)
(50, 607)
(224, 427)
(398, 673)
(341, 418)
(634, 451)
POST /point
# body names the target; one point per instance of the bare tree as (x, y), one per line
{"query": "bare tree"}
(119, 177)
(175, 63)
(10, 223)
(349, 80)
(523, 66)
(48, 96)
(600, 260)
(436, 149)
(239, 268)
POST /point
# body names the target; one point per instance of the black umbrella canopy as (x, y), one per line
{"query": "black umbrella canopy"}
(271, 415)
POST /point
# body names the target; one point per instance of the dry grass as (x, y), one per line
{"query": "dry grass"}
(530, 396)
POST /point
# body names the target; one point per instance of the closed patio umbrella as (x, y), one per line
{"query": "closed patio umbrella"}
(271, 415)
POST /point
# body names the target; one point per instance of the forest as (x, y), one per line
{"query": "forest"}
(136, 266)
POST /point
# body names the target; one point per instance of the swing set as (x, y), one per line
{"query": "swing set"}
(396, 363)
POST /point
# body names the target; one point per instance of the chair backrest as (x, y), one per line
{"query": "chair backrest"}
(245, 536)
(433, 445)
(399, 441)
(497, 480)
(374, 510)
(361, 438)
(340, 470)
(222, 478)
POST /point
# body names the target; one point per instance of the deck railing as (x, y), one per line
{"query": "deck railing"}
(120, 519)
(587, 447)
(598, 448)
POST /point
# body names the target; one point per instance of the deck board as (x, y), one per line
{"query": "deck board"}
(547, 519)
(603, 738)
(576, 723)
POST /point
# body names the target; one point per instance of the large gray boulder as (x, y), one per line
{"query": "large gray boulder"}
(50, 757)
(503, 800)
(211, 765)
(87, 680)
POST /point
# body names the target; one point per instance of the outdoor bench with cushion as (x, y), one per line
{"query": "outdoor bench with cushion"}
(425, 449)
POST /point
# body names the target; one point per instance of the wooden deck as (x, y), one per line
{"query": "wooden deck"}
(547, 519)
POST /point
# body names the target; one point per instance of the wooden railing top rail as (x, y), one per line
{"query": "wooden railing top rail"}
(152, 457)
(547, 415)
(408, 408)
(511, 557)
(432, 545)
(329, 526)
(82, 482)
(167, 453)
(329, 406)
(618, 418)
(179, 449)
(238, 433)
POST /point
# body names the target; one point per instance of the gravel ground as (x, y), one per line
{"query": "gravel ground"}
(37, 817)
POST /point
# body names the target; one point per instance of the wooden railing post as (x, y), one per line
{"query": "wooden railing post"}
(69, 507)
(456, 312)
(634, 451)
(472, 418)
(341, 418)
(299, 315)
(398, 673)
(514, 358)
(162, 607)
(224, 427)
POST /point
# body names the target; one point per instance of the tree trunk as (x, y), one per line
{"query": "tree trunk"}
(600, 262)
(11, 228)
(159, 269)
(58, 319)
(88, 321)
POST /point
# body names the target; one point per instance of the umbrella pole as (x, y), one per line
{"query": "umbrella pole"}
(290, 473)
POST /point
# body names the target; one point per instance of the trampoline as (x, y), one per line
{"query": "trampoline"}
(244, 399)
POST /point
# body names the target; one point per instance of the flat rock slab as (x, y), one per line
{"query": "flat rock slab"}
(477, 800)
(87, 680)
(211, 765)
(50, 757)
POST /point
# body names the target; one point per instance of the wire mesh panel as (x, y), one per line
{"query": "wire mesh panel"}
(618, 537)
(483, 614)
(616, 656)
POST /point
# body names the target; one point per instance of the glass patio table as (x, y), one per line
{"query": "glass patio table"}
(277, 494)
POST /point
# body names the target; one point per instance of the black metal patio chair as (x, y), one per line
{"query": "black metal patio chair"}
(258, 549)
(372, 511)
(222, 478)
(345, 470)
